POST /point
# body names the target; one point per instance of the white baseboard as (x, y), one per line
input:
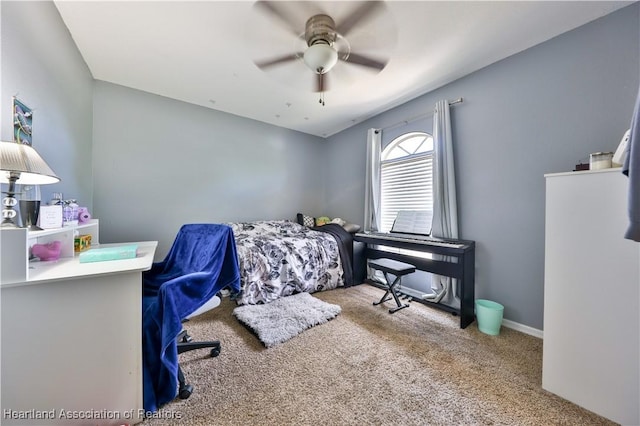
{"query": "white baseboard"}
(523, 328)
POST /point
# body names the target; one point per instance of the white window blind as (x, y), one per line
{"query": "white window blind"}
(406, 184)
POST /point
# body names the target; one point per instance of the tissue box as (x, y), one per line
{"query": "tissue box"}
(109, 253)
(81, 243)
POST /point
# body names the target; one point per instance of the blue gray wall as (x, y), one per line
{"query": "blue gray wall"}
(537, 112)
(160, 163)
(43, 68)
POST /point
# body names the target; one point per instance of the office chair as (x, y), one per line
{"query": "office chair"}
(201, 262)
(186, 343)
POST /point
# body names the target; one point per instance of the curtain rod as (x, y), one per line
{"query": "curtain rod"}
(428, 114)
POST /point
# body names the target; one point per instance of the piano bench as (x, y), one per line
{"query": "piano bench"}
(398, 269)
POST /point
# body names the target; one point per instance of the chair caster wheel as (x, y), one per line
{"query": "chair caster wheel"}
(215, 352)
(185, 392)
(184, 337)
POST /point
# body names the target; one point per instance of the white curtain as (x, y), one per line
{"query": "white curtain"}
(445, 206)
(372, 204)
(372, 181)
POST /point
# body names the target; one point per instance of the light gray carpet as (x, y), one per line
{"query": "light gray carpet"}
(279, 321)
(367, 367)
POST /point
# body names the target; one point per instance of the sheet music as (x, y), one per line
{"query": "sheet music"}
(413, 222)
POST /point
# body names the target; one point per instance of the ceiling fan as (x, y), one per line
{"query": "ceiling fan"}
(323, 43)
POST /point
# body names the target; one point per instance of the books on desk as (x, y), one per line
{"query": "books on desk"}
(109, 253)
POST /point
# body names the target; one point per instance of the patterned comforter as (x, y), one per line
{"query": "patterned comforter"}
(279, 258)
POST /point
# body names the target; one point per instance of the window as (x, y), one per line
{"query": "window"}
(406, 176)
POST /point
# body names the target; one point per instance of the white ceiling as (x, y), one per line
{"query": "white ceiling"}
(203, 52)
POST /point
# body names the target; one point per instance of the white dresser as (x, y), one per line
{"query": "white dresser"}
(591, 351)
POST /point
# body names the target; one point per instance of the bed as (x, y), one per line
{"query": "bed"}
(279, 258)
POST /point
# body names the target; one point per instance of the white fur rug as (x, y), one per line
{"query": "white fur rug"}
(282, 319)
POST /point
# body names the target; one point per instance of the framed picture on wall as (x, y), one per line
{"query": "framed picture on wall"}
(22, 120)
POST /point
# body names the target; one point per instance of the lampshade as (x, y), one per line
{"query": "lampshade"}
(23, 159)
(320, 57)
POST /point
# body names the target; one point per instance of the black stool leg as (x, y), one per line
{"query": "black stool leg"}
(383, 298)
(391, 290)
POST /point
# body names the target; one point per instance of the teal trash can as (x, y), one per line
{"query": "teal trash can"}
(489, 316)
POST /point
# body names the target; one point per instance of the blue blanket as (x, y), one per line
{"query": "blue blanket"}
(201, 262)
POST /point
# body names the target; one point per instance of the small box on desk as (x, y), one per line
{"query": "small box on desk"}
(81, 243)
(50, 216)
(109, 253)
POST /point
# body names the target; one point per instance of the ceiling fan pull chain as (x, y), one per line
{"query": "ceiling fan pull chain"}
(321, 100)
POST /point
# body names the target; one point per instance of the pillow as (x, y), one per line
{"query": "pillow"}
(339, 221)
(305, 220)
(351, 227)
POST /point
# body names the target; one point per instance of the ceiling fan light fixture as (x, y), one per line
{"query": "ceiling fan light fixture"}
(320, 57)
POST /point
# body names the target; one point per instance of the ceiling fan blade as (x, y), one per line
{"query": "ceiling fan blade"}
(366, 10)
(274, 9)
(366, 61)
(277, 60)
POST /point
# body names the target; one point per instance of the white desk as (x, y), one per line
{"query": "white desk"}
(72, 342)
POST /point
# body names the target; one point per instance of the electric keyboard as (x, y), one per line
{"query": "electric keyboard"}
(456, 260)
(413, 238)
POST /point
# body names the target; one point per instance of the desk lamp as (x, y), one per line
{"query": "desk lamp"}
(20, 164)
